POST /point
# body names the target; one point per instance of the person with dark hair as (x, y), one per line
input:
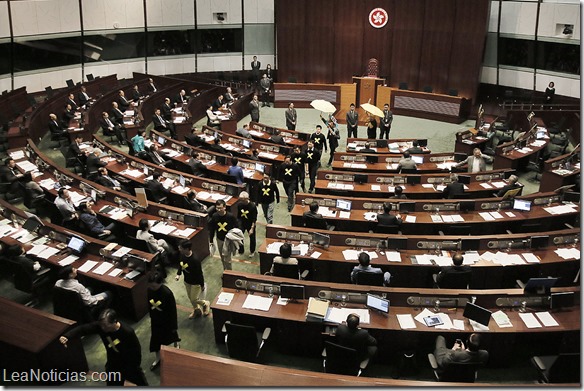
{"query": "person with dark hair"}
(387, 218)
(459, 353)
(318, 140)
(289, 175)
(299, 159)
(193, 203)
(136, 95)
(155, 245)
(236, 171)
(138, 141)
(291, 117)
(549, 93)
(415, 148)
(124, 353)
(197, 166)
(277, 138)
(247, 216)
(371, 126)
(75, 148)
(352, 336)
(159, 157)
(162, 125)
(94, 162)
(313, 219)
(83, 97)
(32, 189)
(109, 126)
(166, 110)
(352, 122)
(367, 148)
(456, 268)
(106, 180)
(219, 224)
(156, 187)
(255, 155)
(194, 138)
(16, 253)
(71, 101)
(385, 124)
(333, 135)
(398, 193)
(11, 175)
(254, 109)
(284, 257)
(311, 163)
(65, 205)
(68, 115)
(218, 103)
(122, 101)
(92, 223)
(163, 316)
(212, 118)
(364, 266)
(454, 189)
(194, 280)
(268, 196)
(406, 163)
(244, 131)
(266, 86)
(68, 280)
(215, 146)
(151, 87)
(255, 70)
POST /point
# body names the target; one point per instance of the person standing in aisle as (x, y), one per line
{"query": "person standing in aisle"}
(247, 216)
(268, 195)
(299, 159)
(352, 122)
(190, 266)
(289, 174)
(311, 164)
(385, 124)
(219, 224)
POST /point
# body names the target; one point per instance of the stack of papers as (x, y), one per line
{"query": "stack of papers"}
(274, 248)
(498, 184)
(446, 165)
(26, 166)
(180, 189)
(48, 183)
(410, 219)
(350, 255)
(16, 155)
(560, 209)
(370, 216)
(225, 298)
(68, 260)
(568, 253)
(317, 309)
(486, 185)
(163, 228)
(343, 214)
(268, 155)
(171, 152)
(392, 166)
(502, 319)
(406, 321)
(87, 266)
(393, 256)
(339, 315)
(103, 268)
(133, 173)
(326, 212)
(261, 303)
(375, 188)
(531, 322)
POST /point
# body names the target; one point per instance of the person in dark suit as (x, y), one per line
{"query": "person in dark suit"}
(75, 148)
(11, 175)
(229, 97)
(158, 157)
(166, 110)
(156, 187)
(454, 189)
(385, 123)
(277, 138)
(406, 163)
(123, 103)
(180, 98)
(266, 86)
(218, 103)
(106, 180)
(194, 138)
(459, 352)
(371, 126)
(313, 219)
(456, 268)
(111, 127)
(94, 162)
(387, 218)
(151, 87)
(352, 121)
(511, 185)
(197, 167)
(67, 116)
(398, 193)
(56, 128)
(255, 70)
(193, 204)
(254, 109)
(83, 97)
(550, 91)
(215, 146)
(93, 225)
(162, 125)
(415, 148)
(136, 95)
(367, 148)
(289, 174)
(116, 114)
(332, 135)
(351, 336)
(17, 254)
(71, 101)
(291, 117)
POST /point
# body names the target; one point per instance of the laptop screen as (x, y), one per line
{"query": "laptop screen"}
(260, 167)
(76, 244)
(181, 180)
(523, 205)
(344, 205)
(161, 140)
(246, 143)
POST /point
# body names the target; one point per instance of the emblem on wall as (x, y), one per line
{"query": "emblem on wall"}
(378, 18)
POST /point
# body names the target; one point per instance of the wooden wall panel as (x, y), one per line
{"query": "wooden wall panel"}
(348, 42)
(377, 42)
(319, 37)
(290, 39)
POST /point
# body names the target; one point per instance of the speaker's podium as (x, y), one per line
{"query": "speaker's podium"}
(367, 89)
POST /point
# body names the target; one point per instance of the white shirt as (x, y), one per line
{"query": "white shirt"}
(476, 165)
(76, 286)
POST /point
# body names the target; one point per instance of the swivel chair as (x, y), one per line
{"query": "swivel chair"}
(342, 360)
(243, 342)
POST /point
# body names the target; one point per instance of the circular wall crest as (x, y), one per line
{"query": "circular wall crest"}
(378, 18)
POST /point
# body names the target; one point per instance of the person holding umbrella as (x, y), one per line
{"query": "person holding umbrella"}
(333, 135)
(372, 112)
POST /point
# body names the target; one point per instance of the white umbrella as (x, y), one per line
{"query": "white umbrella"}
(368, 107)
(323, 105)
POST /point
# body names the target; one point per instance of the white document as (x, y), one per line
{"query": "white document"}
(343, 214)
(339, 315)
(103, 268)
(225, 298)
(410, 219)
(498, 184)
(37, 249)
(568, 253)
(17, 154)
(501, 319)
(427, 185)
(425, 312)
(48, 252)
(163, 228)
(406, 321)
(424, 259)
(115, 272)
(436, 218)
(458, 324)
(274, 248)
(180, 189)
(375, 187)
(477, 326)
(530, 257)
(497, 215)
(315, 254)
(350, 255)
(510, 214)
(257, 303)
(370, 216)
(282, 301)
(546, 319)
(87, 266)
(447, 219)
(529, 319)
(457, 218)
(470, 257)
(393, 256)
(443, 261)
(446, 320)
(486, 216)
(68, 260)
(185, 233)
(122, 251)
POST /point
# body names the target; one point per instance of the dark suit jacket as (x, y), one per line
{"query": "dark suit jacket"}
(506, 188)
(415, 150)
(72, 103)
(116, 116)
(453, 190)
(451, 270)
(166, 112)
(158, 191)
(358, 339)
(93, 163)
(136, 96)
(161, 154)
(55, 127)
(198, 168)
(104, 125)
(158, 125)
(291, 116)
(105, 182)
(67, 116)
(277, 139)
(151, 88)
(388, 219)
(179, 101)
(74, 150)
(194, 140)
(217, 104)
(10, 177)
(82, 99)
(123, 104)
(314, 220)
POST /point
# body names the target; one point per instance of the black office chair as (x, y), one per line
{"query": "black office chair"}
(70, 83)
(387, 229)
(68, 304)
(138, 244)
(366, 278)
(456, 372)
(13, 198)
(313, 222)
(563, 368)
(150, 196)
(244, 342)
(457, 230)
(289, 271)
(408, 171)
(427, 89)
(342, 360)
(90, 77)
(453, 280)
(35, 283)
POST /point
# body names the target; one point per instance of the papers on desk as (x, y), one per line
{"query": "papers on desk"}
(326, 212)
(48, 252)
(436, 218)
(76, 198)
(303, 248)
(256, 133)
(103, 268)
(23, 236)
(410, 219)
(163, 228)
(498, 184)
(532, 258)
(171, 152)
(351, 255)
(121, 251)
(529, 320)
(546, 319)
(446, 165)
(406, 321)
(440, 187)
(538, 143)
(185, 233)
(510, 214)
(16, 155)
(115, 272)
(68, 260)
(26, 166)
(393, 146)
(118, 214)
(132, 173)
(274, 247)
(340, 186)
(129, 113)
(443, 260)
(392, 166)
(179, 119)
(48, 183)
(428, 186)
(458, 324)
(393, 256)
(477, 326)
(496, 215)
(225, 298)
(87, 266)
(339, 315)
(36, 249)
(203, 195)
(375, 188)
(362, 166)
(267, 155)
(168, 183)
(502, 319)
(506, 259)
(248, 173)
(343, 214)
(7, 229)
(420, 317)
(524, 150)
(370, 216)
(486, 216)
(261, 303)
(470, 257)
(425, 259)
(568, 253)
(180, 189)
(315, 254)
(560, 209)
(485, 185)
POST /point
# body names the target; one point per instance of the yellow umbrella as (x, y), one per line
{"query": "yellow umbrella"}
(368, 107)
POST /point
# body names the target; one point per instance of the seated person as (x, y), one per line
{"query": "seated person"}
(56, 128)
(511, 185)
(236, 171)
(364, 266)
(92, 223)
(218, 103)
(194, 138)
(110, 127)
(193, 204)
(10, 174)
(138, 141)
(163, 125)
(106, 180)
(215, 146)
(313, 219)
(197, 166)
(457, 268)
(136, 95)
(123, 103)
(229, 97)
(71, 101)
(406, 163)
(454, 189)
(155, 245)
(116, 115)
(352, 336)
(367, 148)
(166, 110)
(158, 157)
(398, 194)
(212, 118)
(75, 148)
(255, 155)
(387, 218)
(415, 148)
(277, 138)
(68, 115)
(32, 189)
(284, 258)
(94, 162)
(244, 131)
(68, 280)
(459, 352)
(65, 205)
(84, 98)
(16, 254)
(157, 188)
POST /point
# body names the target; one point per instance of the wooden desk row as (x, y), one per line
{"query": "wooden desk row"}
(131, 168)
(294, 335)
(129, 296)
(331, 265)
(384, 163)
(393, 145)
(284, 132)
(508, 155)
(438, 107)
(414, 186)
(468, 140)
(263, 133)
(560, 171)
